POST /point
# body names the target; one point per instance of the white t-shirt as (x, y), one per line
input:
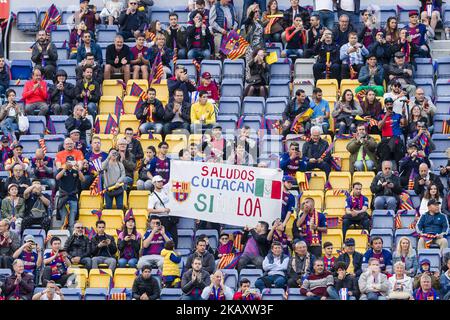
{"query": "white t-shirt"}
(55, 297)
(323, 5)
(155, 203)
(398, 103)
(348, 5)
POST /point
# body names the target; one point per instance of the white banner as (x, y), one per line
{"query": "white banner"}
(222, 193)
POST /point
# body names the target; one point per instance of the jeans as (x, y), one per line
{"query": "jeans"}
(385, 202)
(87, 263)
(109, 201)
(294, 52)
(61, 109)
(40, 107)
(131, 263)
(324, 166)
(151, 126)
(359, 165)
(277, 280)
(199, 54)
(168, 127)
(149, 260)
(374, 296)
(92, 109)
(9, 126)
(246, 259)
(73, 207)
(144, 185)
(343, 128)
(327, 19)
(361, 221)
(111, 262)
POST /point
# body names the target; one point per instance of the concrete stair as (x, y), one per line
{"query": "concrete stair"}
(440, 48)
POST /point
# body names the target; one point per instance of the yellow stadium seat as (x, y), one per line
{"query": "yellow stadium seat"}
(340, 180)
(176, 142)
(87, 201)
(124, 277)
(138, 199)
(129, 104)
(113, 233)
(317, 181)
(99, 280)
(162, 92)
(141, 217)
(349, 84)
(129, 121)
(334, 201)
(107, 142)
(316, 195)
(143, 83)
(365, 178)
(102, 119)
(146, 141)
(195, 138)
(326, 137)
(377, 137)
(361, 240)
(335, 212)
(329, 87)
(335, 237)
(340, 145)
(345, 160)
(82, 276)
(332, 99)
(106, 104)
(112, 88)
(88, 219)
(113, 218)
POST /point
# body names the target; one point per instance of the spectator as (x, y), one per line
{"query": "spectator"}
(153, 243)
(345, 112)
(129, 244)
(145, 286)
(44, 55)
(342, 30)
(177, 113)
(208, 262)
(37, 204)
(345, 284)
(131, 20)
(423, 138)
(145, 181)
(433, 193)
(97, 70)
(351, 9)
(170, 270)
(315, 32)
(293, 11)
(51, 292)
(372, 110)
(258, 69)
(151, 114)
(118, 57)
(431, 11)
(154, 30)
(391, 30)
(9, 243)
(4, 76)
(411, 163)
(194, 281)
(13, 207)
(417, 32)
(194, 153)
(296, 38)
(182, 82)
(362, 151)
(291, 161)
(315, 286)
(78, 248)
(432, 225)
(17, 159)
(56, 265)
(288, 205)
(159, 47)
(31, 255)
(88, 91)
(19, 285)
(134, 145)
(160, 164)
(296, 106)
(35, 95)
(383, 256)
(273, 26)
(217, 290)
(216, 147)
(321, 111)
(425, 179)
(275, 265)
(5, 151)
(400, 284)
(380, 48)
(309, 226)
(222, 19)
(176, 36)
(386, 188)
(316, 152)
(62, 94)
(103, 247)
(244, 292)
(415, 123)
(89, 170)
(256, 246)
(366, 34)
(326, 68)
(352, 259)
(88, 14)
(128, 161)
(9, 114)
(406, 254)
(277, 234)
(398, 96)
(427, 108)
(200, 7)
(371, 76)
(19, 179)
(202, 113)
(352, 55)
(210, 86)
(356, 210)
(402, 72)
(89, 46)
(300, 265)
(114, 178)
(138, 62)
(426, 291)
(111, 11)
(373, 284)
(328, 257)
(239, 156)
(75, 38)
(198, 37)
(424, 268)
(445, 282)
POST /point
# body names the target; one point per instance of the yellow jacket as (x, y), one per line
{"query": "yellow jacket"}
(197, 110)
(170, 268)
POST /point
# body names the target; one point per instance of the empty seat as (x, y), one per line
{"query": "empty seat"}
(306, 85)
(294, 294)
(340, 180)
(276, 105)
(53, 141)
(60, 35)
(160, 14)
(230, 105)
(442, 88)
(106, 36)
(279, 88)
(82, 276)
(233, 69)
(228, 122)
(443, 67)
(382, 219)
(112, 87)
(253, 121)
(272, 144)
(67, 17)
(21, 69)
(96, 294)
(303, 68)
(441, 141)
(212, 234)
(438, 159)
(273, 294)
(251, 274)
(171, 294)
(386, 235)
(87, 201)
(71, 293)
(138, 199)
(403, 13)
(113, 218)
(69, 66)
(186, 223)
(214, 67)
(425, 68)
(329, 87)
(230, 278)
(253, 106)
(27, 20)
(30, 143)
(185, 239)
(231, 88)
(280, 71)
(124, 277)
(100, 278)
(442, 105)
(59, 123)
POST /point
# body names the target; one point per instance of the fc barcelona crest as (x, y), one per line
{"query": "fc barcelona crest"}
(181, 190)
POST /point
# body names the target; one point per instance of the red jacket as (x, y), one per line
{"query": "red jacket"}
(32, 96)
(238, 296)
(213, 91)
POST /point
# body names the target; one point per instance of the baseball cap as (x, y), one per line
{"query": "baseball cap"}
(287, 178)
(399, 54)
(206, 75)
(180, 66)
(433, 202)
(29, 238)
(157, 179)
(425, 261)
(217, 126)
(5, 139)
(19, 146)
(388, 100)
(413, 13)
(75, 131)
(13, 185)
(349, 242)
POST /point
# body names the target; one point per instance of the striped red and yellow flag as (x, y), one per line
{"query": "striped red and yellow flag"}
(240, 50)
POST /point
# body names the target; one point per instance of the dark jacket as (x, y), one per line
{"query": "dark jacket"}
(357, 261)
(187, 285)
(149, 286)
(290, 113)
(69, 93)
(52, 53)
(204, 39)
(26, 286)
(208, 261)
(158, 115)
(95, 50)
(4, 77)
(288, 18)
(132, 22)
(433, 224)
(313, 39)
(166, 58)
(83, 125)
(349, 282)
(185, 112)
(187, 87)
(407, 164)
(261, 241)
(381, 50)
(300, 270)
(397, 72)
(258, 72)
(321, 50)
(129, 164)
(112, 53)
(95, 94)
(308, 152)
(9, 249)
(341, 37)
(97, 73)
(179, 38)
(111, 249)
(136, 244)
(135, 148)
(364, 75)
(378, 190)
(78, 246)
(420, 189)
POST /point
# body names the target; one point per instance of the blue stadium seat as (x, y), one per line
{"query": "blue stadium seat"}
(279, 88)
(69, 66)
(60, 35)
(231, 278)
(438, 121)
(21, 69)
(253, 106)
(272, 294)
(425, 68)
(71, 293)
(414, 198)
(190, 67)
(161, 14)
(171, 294)
(407, 218)
(280, 71)
(113, 27)
(183, 16)
(275, 105)
(294, 294)
(228, 121)
(185, 239)
(409, 233)
(443, 67)
(442, 87)
(438, 159)
(274, 47)
(441, 141)
(186, 223)
(251, 274)
(434, 255)
(231, 88)
(18, 88)
(67, 17)
(103, 47)
(212, 234)
(59, 122)
(106, 36)
(214, 67)
(272, 144)
(230, 105)
(382, 219)
(4, 273)
(233, 69)
(96, 294)
(427, 86)
(29, 142)
(39, 235)
(442, 105)
(386, 12)
(403, 13)
(253, 121)
(37, 124)
(27, 20)
(62, 51)
(386, 235)
(52, 142)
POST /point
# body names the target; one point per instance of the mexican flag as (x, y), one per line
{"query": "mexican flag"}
(268, 188)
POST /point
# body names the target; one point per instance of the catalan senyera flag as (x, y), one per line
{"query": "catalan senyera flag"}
(446, 127)
(157, 71)
(51, 19)
(265, 188)
(300, 118)
(111, 125)
(43, 146)
(234, 45)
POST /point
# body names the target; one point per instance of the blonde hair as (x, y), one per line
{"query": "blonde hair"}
(398, 250)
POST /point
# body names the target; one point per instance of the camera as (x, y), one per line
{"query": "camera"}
(158, 223)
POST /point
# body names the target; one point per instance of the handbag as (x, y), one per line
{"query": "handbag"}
(38, 211)
(23, 123)
(115, 192)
